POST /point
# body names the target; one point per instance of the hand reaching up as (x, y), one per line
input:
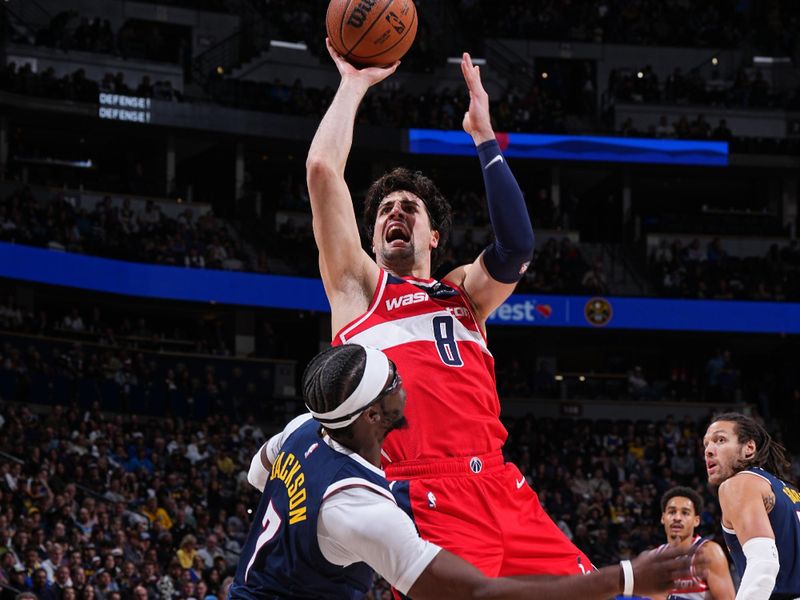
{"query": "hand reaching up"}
(477, 120)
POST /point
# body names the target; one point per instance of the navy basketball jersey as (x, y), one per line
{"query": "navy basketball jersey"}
(281, 557)
(785, 520)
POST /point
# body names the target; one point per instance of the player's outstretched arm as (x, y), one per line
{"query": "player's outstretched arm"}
(746, 500)
(494, 274)
(447, 576)
(352, 528)
(718, 575)
(347, 271)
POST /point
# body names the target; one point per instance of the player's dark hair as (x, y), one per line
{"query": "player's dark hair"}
(330, 377)
(770, 455)
(683, 492)
(400, 178)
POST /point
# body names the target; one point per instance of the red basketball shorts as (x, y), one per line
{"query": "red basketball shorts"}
(482, 510)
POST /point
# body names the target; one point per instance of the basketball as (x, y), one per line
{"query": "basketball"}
(371, 32)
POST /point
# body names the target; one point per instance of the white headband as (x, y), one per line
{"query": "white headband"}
(376, 372)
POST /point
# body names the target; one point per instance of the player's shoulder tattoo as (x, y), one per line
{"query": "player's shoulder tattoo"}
(769, 501)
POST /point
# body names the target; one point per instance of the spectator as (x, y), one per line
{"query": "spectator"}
(637, 384)
(74, 322)
(156, 513)
(55, 560)
(594, 281)
(187, 551)
(210, 551)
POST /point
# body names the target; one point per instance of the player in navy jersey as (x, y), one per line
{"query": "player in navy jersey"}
(327, 516)
(680, 515)
(760, 509)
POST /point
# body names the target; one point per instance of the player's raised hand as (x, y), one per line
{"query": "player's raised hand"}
(655, 572)
(368, 75)
(477, 120)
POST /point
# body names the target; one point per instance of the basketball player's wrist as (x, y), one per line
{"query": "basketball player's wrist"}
(481, 137)
(354, 85)
(625, 578)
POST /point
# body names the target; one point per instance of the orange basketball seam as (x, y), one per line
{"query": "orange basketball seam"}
(342, 22)
(377, 19)
(408, 30)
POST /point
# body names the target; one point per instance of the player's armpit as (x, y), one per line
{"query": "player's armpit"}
(742, 501)
(484, 292)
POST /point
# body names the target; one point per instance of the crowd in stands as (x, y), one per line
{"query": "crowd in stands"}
(77, 86)
(717, 23)
(695, 271)
(536, 109)
(207, 337)
(683, 128)
(119, 507)
(748, 89)
(119, 375)
(558, 267)
(718, 379)
(69, 30)
(122, 508)
(209, 5)
(121, 232)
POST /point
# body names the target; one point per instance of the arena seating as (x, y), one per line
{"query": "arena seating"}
(127, 424)
(163, 503)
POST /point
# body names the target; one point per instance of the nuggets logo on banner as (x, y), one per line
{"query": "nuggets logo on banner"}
(598, 312)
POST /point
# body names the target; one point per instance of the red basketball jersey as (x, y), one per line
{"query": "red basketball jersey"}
(430, 332)
(690, 588)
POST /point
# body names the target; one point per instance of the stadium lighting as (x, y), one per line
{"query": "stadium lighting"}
(545, 75)
(715, 61)
(456, 60)
(640, 75)
(771, 60)
(559, 378)
(220, 70)
(581, 378)
(288, 45)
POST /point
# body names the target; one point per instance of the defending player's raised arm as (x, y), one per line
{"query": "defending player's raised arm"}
(491, 279)
(746, 500)
(353, 528)
(343, 263)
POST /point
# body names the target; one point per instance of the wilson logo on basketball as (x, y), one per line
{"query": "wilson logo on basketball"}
(395, 22)
(360, 12)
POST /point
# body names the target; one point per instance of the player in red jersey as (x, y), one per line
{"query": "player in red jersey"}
(680, 515)
(447, 464)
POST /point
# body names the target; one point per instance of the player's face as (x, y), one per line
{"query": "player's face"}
(679, 519)
(723, 452)
(392, 407)
(403, 231)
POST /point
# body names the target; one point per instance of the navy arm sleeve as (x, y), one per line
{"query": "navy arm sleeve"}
(508, 257)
